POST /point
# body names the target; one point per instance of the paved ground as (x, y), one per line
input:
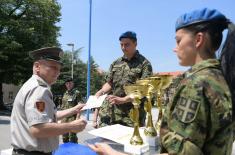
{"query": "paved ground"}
(5, 142)
(5, 130)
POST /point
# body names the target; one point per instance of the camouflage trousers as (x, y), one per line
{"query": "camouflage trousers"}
(70, 137)
(118, 114)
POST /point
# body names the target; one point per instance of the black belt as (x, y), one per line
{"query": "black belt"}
(22, 151)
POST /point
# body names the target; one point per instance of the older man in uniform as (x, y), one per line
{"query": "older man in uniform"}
(125, 70)
(34, 127)
(70, 98)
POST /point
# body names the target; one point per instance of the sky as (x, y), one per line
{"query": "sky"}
(152, 20)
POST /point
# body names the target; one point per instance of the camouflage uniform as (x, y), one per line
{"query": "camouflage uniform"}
(70, 99)
(170, 91)
(123, 72)
(199, 118)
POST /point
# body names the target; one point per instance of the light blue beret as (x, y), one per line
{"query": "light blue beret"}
(199, 16)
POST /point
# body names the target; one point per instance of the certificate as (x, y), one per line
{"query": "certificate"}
(94, 102)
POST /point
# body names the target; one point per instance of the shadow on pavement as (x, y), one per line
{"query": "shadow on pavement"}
(4, 121)
(5, 112)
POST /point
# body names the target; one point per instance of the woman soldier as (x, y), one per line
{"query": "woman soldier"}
(199, 118)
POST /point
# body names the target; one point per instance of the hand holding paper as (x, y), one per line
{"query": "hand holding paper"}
(94, 102)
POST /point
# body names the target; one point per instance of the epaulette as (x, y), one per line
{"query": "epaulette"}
(40, 83)
(118, 61)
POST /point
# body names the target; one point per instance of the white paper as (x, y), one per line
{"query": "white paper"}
(94, 102)
(117, 133)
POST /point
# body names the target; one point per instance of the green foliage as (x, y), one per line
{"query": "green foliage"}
(97, 78)
(79, 76)
(25, 25)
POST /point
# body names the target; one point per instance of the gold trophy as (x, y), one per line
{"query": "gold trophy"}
(153, 84)
(136, 92)
(165, 82)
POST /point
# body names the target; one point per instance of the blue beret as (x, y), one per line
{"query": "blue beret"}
(73, 149)
(128, 34)
(199, 16)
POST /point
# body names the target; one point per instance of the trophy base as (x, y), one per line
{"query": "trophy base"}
(136, 149)
(152, 141)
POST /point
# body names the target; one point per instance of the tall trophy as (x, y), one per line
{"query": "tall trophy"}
(154, 84)
(165, 82)
(136, 92)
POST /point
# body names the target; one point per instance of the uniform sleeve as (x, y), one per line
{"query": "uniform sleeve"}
(64, 101)
(183, 128)
(78, 97)
(109, 77)
(147, 69)
(174, 143)
(39, 106)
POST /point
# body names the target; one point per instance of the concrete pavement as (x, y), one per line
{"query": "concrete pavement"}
(5, 131)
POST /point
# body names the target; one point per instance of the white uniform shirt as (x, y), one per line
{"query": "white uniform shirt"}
(33, 105)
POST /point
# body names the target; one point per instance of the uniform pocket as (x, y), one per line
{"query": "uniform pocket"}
(134, 74)
(117, 73)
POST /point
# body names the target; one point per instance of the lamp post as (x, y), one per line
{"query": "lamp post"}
(71, 44)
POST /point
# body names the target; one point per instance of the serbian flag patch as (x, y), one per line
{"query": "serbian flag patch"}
(40, 106)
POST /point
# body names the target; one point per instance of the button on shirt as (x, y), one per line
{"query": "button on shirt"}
(33, 105)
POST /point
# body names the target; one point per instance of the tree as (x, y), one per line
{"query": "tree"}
(25, 25)
(80, 75)
(97, 77)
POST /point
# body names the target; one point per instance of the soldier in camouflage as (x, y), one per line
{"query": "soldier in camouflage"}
(70, 98)
(125, 70)
(198, 120)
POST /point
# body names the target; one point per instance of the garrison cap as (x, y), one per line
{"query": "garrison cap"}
(199, 16)
(128, 34)
(47, 53)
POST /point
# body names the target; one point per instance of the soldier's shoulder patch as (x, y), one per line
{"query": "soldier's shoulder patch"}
(187, 109)
(40, 105)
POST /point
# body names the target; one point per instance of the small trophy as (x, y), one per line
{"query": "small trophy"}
(165, 82)
(136, 92)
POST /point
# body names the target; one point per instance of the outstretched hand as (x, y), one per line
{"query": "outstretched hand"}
(104, 149)
(78, 125)
(116, 99)
(78, 107)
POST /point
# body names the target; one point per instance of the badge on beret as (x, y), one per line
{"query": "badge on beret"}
(40, 106)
